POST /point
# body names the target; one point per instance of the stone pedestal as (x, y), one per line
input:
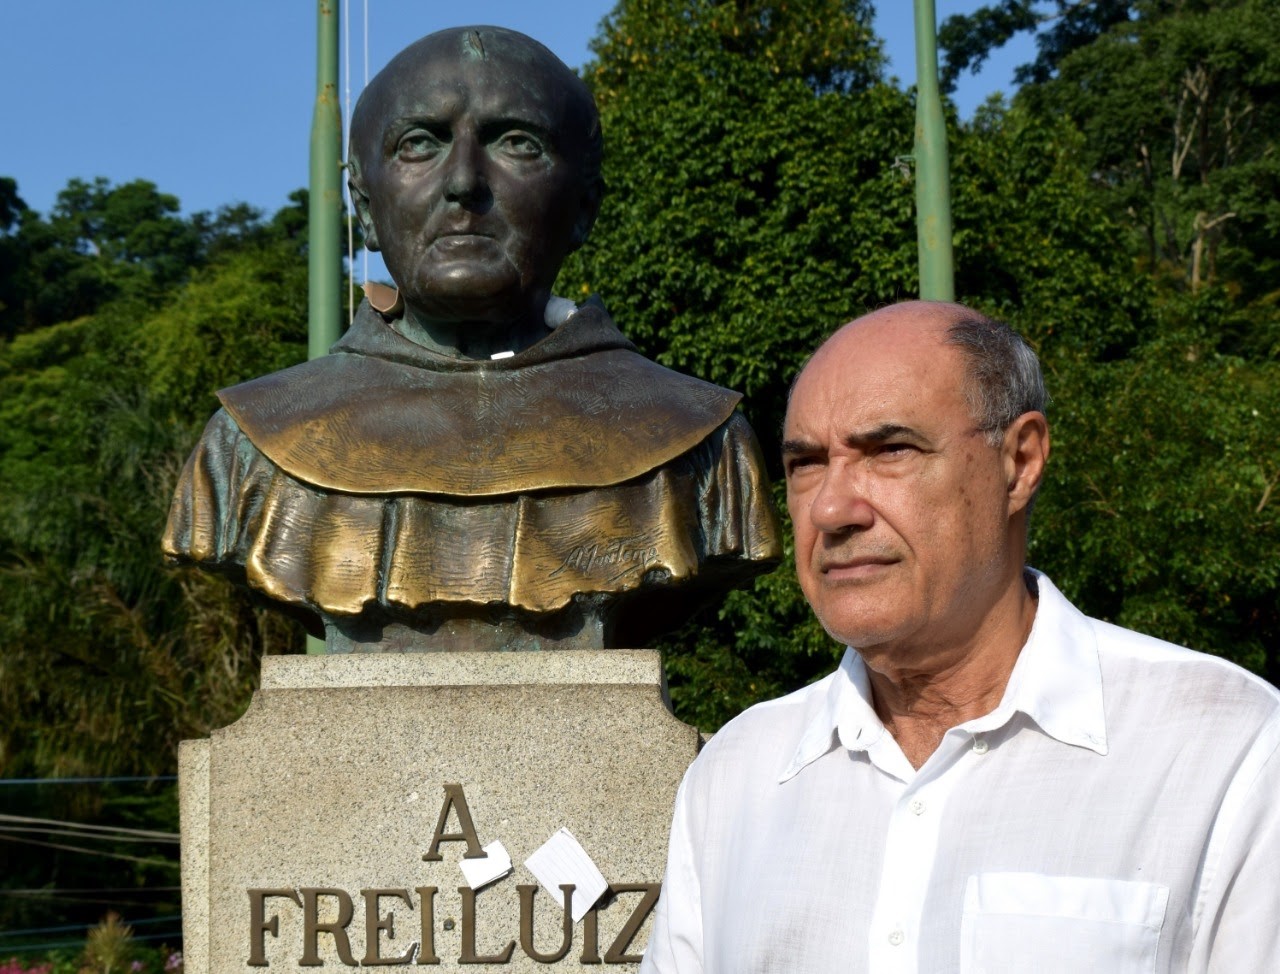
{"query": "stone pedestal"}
(305, 824)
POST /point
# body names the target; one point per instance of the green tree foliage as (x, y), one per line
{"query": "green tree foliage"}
(1157, 513)
(1061, 26)
(1177, 100)
(1160, 514)
(740, 147)
(103, 242)
(1183, 134)
(110, 659)
(12, 261)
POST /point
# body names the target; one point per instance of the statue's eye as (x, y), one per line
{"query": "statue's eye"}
(416, 145)
(520, 145)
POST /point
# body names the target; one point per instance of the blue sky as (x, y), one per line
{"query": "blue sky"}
(212, 101)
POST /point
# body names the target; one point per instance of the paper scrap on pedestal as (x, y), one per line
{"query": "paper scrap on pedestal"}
(561, 860)
(495, 864)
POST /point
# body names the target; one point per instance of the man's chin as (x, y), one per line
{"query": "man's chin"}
(863, 623)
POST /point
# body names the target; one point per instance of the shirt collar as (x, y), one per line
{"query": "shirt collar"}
(844, 714)
(1057, 682)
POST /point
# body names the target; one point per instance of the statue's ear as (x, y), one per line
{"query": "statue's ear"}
(588, 210)
(360, 200)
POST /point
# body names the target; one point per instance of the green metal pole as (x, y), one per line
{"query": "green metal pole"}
(324, 247)
(933, 183)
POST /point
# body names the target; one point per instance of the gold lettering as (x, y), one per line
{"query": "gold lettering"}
(427, 955)
(455, 799)
(527, 893)
(259, 926)
(616, 952)
(375, 925)
(469, 955)
(312, 927)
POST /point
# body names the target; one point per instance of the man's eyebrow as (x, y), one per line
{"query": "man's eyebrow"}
(878, 434)
(797, 447)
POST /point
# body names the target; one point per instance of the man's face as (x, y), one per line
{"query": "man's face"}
(900, 505)
(474, 182)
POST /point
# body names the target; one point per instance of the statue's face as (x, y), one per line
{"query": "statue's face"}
(472, 168)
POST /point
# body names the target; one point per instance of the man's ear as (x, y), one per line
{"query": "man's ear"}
(1026, 452)
(360, 201)
(588, 210)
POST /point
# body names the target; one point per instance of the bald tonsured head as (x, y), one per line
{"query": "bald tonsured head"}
(475, 169)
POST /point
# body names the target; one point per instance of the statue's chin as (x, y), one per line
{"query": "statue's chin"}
(473, 290)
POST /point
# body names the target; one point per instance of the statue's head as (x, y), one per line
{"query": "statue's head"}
(475, 170)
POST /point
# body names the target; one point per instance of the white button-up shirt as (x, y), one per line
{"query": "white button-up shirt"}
(1118, 811)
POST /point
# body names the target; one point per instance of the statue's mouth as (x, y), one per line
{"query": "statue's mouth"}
(463, 244)
(463, 229)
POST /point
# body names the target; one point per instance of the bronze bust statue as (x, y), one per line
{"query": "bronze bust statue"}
(477, 465)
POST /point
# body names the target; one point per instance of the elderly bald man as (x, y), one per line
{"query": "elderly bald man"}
(991, 781)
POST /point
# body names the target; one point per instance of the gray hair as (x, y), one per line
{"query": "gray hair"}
(1003, 372)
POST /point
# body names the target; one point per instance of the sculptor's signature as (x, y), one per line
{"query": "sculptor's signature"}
(620, 554)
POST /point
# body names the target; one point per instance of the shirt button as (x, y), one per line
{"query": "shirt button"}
(896, 937)
(979, 745)
(917, 807)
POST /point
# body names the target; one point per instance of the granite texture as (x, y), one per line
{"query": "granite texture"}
(193, 806)
(566, 667)
(334, 780)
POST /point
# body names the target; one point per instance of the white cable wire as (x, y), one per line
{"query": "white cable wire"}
(88, 852)
(75, 834)
(112, 830)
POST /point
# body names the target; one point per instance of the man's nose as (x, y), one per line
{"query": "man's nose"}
(465, 179)
(843, 501)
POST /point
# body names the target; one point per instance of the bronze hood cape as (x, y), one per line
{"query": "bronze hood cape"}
(384, 474)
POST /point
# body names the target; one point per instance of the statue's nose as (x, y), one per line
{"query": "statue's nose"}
(465, 180)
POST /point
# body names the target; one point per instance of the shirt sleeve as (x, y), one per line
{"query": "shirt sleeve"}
(675, 945)
(1235, 922)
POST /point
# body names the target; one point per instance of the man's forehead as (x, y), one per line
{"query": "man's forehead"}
(878, 372)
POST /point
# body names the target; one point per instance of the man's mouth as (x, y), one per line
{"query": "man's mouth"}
(857, 568)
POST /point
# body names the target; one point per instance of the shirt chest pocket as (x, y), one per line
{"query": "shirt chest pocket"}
(1015, 923)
